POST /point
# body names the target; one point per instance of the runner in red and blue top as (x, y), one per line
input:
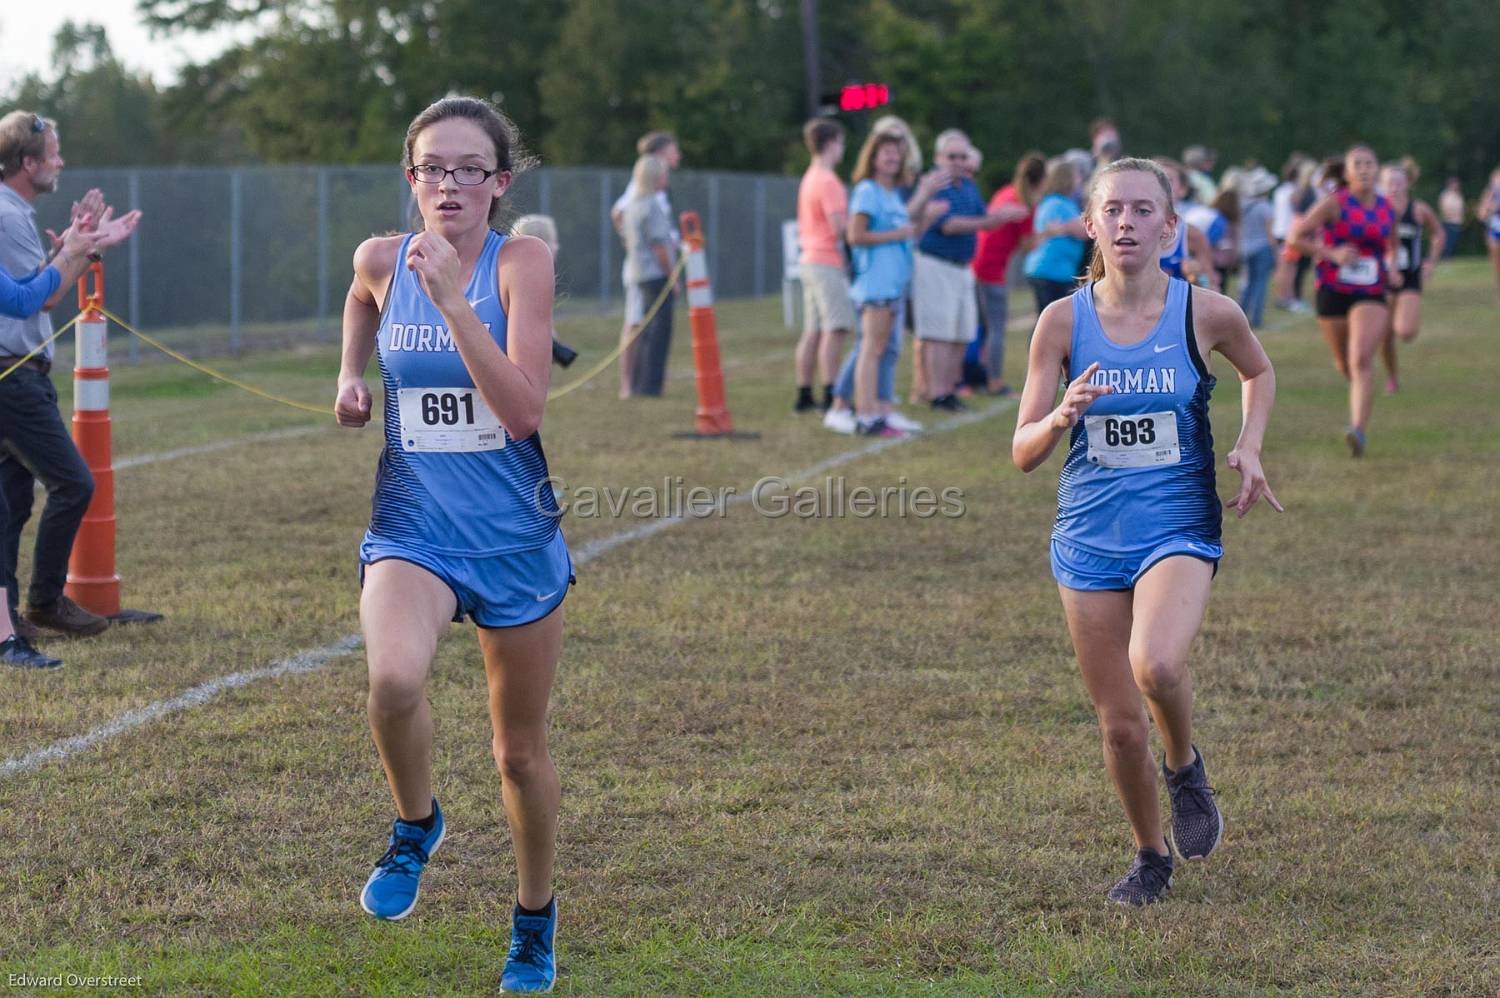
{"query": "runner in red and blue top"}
(1351, 233)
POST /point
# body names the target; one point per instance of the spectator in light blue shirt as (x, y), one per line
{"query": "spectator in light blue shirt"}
(880, 235)
(1054, 265)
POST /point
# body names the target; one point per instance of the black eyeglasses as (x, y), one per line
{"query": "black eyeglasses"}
(468, 176)
(37, 124)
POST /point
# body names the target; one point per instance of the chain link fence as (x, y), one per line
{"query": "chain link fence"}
(234, 259)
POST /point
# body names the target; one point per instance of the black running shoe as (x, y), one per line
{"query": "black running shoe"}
(1197, 825)
(879, 428)
(1149, 879)
(17, 652)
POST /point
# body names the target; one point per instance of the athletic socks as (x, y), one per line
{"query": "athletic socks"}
(543, 912)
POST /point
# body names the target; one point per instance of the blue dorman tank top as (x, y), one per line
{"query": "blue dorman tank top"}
(1140, 464)
(1171, 261)
(450, 479)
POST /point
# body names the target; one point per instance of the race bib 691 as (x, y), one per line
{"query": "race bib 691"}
(448, 419)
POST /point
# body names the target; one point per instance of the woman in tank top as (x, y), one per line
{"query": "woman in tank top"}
(464, 520)
(1137, 537)
(1413, 268)
(1488, 210)
(1351, 233)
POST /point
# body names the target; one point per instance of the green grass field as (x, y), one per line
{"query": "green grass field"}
(799, 755)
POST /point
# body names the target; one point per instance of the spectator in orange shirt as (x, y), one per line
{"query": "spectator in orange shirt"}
(827, 310)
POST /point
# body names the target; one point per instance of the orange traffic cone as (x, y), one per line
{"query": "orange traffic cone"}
(92, 582)
(712, 417)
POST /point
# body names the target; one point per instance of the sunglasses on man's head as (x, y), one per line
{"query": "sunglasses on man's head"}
(38, 124)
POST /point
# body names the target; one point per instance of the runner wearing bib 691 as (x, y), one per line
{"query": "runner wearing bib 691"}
(1137, 537)
(464, 520)
(1351, 233)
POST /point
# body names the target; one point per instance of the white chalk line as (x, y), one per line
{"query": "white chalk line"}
(317, 658)
(196, 696)
(593, 549)
(218, 445)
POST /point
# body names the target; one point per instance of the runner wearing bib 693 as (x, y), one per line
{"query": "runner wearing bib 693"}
(1351, 233)
(464, 520)
(1137, 536)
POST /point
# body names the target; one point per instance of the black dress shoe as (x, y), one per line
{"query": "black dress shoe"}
(68, 617)
(26, 628)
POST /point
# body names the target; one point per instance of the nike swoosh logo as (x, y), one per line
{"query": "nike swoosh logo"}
(481, 301)
(1161, 349)
(546, 596)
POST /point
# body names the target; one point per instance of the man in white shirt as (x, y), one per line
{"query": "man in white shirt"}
(662, 145)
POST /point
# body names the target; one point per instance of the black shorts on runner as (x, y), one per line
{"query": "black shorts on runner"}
(1336, 304)
(1413, 279)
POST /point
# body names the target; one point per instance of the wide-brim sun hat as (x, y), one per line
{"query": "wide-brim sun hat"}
(1257, 182)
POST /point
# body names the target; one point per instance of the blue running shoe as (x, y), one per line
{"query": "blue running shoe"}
(1149, 880)
(531, 964)
(1197, 825)
(391, 891)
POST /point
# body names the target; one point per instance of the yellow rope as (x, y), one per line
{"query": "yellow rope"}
(217, 375)
(22, 362)
(609, 358)
(321, 411)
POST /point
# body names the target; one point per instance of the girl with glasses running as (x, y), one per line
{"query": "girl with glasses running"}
(464, 523)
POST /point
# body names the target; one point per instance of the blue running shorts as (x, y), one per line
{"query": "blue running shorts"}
(503, 590)
(1079, 568)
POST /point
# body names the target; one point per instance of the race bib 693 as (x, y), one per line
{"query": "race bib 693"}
(1135, 441)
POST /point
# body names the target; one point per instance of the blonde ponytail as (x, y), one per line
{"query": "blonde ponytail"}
(1096, 268)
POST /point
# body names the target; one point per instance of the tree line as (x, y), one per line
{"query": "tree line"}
(336, 81)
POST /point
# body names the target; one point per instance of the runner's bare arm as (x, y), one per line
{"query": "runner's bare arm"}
(1040, 424)
(374, 262)
(1437, 236)
(1222, 327)
(1304, 234)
